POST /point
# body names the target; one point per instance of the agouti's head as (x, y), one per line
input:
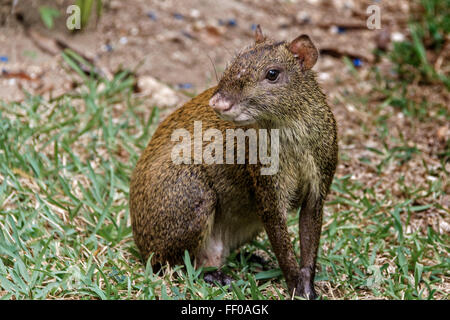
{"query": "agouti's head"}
(267, 81)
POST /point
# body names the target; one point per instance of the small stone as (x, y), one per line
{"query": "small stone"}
(232, 22)
(303, 17)
(443, 133)
(184, 86)
(134, 31)
(334, 29)
(341, 30)
(107, 48)
(187, 34)
(152, 16)
(198, 25)
(159, 94)
(178, 16)
(195, 13)
(357, 62)
(397, 37)
(324, 76)
(444, 227)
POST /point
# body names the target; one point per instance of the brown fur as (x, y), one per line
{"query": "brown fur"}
(210, 210)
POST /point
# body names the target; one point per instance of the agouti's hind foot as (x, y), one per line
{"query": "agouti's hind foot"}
(255, 258)
(217, 276)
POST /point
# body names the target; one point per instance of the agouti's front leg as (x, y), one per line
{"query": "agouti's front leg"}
(310, 225)
(275, 225)
(273, 215)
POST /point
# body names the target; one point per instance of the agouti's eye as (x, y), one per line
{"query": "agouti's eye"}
(272, 74)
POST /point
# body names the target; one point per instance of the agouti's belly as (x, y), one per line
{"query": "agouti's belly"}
(235, 218)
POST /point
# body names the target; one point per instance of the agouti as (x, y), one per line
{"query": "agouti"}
(212, 206)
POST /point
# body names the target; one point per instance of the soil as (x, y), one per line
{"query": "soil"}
(184, 43)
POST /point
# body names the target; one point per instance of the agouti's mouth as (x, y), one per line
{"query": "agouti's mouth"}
(236, 116)
(229, 110)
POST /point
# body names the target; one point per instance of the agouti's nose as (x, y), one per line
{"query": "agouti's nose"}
(219, 103)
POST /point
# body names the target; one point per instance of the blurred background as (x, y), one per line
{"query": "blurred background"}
(78, 106)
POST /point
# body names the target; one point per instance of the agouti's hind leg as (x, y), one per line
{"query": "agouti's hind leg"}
(191, 225)
(180, 220)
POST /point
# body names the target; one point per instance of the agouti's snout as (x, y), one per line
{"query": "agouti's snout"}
(229, 109)
(220, 103)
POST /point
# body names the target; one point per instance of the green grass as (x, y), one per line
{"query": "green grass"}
(65, 228)
(65, 231)
(428, 30)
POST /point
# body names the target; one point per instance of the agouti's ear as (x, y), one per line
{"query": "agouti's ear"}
(259, 37)
(305, 51)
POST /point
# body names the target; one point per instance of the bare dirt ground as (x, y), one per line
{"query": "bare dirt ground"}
(182, 44)
(176, 42)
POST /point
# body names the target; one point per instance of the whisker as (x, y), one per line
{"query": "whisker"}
(214, 67)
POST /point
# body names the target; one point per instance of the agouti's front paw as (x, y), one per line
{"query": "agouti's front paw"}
(217, 276)
(306, 291)
(305, 285)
